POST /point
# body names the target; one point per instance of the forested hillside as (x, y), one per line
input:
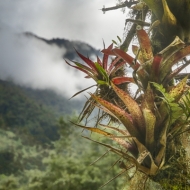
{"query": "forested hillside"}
(20, 113)
(41, 150)
(56, 103)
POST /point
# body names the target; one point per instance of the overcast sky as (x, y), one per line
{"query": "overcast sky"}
(72, 19)
(33, 63)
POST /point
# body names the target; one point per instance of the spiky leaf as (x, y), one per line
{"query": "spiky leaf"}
(169, 57)
(105, 58)
(101, 70)
(120, 80)
(148, 99)
(133, 108)
(89, 62)
(150, 121)
(120, 141)
(177, 91)
(145, 45)
(123, 116)
(130, 60)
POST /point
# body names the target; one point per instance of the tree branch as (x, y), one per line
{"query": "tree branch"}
(132, 30)
(125, 4)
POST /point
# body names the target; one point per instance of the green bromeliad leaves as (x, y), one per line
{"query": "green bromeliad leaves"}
(102, 72)
(184, 103)
(150, 121)
(161, 89)
(170, 105)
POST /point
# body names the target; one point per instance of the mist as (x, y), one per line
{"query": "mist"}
(33, 63)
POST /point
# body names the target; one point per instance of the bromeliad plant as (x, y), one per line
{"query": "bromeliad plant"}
(154, 120)
(102, 72)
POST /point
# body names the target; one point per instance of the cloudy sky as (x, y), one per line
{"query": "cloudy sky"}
(33, 63)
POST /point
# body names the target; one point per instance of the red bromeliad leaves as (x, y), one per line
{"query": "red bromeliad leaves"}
(99, 71)
(117, 67)
(105, 58)
(107, 52)
(116, 63)
(84, 69)
(156, 65)
(120, 80)
(145, 44)
(130, 60)
(87, 61)
(113, 64)
(99, 61)
(132, 63)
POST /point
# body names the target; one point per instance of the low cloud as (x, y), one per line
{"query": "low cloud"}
(33, 63)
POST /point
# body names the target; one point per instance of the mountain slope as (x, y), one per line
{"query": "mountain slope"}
(21, 114)
(56, 103)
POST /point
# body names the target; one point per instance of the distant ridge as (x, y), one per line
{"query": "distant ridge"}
(70, 46)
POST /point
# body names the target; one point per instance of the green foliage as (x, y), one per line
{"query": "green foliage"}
(184, 103)
(16, 156)
(55, 103)
(9, 182)
(23, 115)
(174, 110)
(65, 166)
(65, 170)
